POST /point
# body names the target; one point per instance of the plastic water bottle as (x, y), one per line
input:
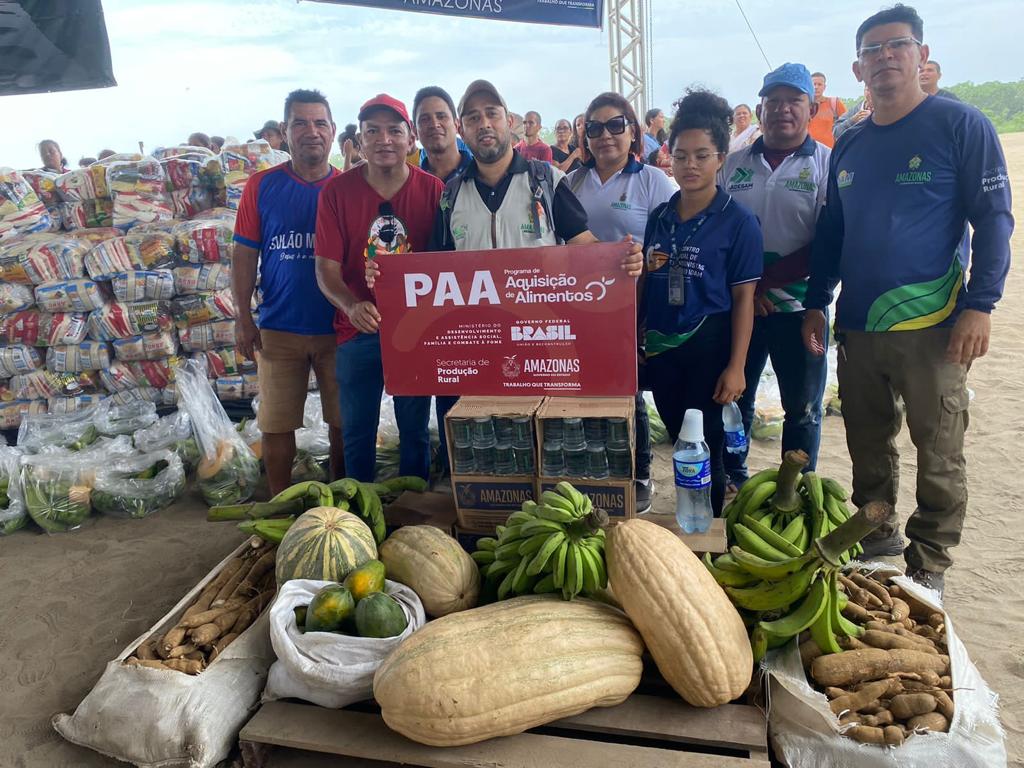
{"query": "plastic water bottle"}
(691, 460)
(732, 421)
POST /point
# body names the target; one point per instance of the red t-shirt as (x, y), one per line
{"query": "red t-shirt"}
(538, 151)
(352, 224)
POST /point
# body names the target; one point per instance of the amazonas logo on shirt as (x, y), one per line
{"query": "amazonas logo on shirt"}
(914, 175)
(803, 182)
(844, 179)
(742, 178)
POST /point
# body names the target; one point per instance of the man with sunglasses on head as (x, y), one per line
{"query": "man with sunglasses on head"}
(902, 187)
(383, 206)
(781, 177)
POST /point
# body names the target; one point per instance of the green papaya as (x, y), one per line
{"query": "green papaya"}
(380, 615)
(329, 609)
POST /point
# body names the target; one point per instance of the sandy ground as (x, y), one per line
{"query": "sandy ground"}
(69, 603)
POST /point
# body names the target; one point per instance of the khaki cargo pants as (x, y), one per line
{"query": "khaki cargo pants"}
(873, 369)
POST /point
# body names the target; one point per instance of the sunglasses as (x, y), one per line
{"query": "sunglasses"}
(616, 127)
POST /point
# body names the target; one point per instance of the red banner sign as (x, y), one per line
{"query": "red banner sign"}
(529, 321)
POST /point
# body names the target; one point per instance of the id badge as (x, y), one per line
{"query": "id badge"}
(676, 282)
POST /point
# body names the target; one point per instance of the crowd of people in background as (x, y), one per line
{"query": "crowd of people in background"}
(738, 223)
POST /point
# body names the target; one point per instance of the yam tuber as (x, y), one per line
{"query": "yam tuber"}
(893, 735)
(890, 641)
(900, 610)
(881, 719)
(809, 651)
(227, 590)
(850, 667)
(835, 693)
(908, 705)
(932, 721)
(945, 704)
(866, 734)
(856, 613)
(936, 621)
(205, 634)
(851, 644)
(211, 590)
(220, 645)
(174, 637)
(946, 682)
(181, 650)
(865, 697)
(259, 569)
(146, 651)
(876, 589)
(188, 666)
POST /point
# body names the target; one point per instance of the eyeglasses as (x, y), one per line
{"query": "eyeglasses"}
(616, 127)
(700, 158)
(896, 45)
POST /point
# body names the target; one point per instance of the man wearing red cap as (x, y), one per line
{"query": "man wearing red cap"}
(383, 206)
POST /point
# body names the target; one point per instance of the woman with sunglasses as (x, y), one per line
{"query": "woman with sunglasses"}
(704, 253)
(618, 194)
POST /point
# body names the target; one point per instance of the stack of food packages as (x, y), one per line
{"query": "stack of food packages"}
(140, 279)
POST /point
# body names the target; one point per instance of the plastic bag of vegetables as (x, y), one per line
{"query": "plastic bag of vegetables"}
(115, 419)
(228, 471)
(57, 483)
(138, 486)
(74, 430)
(172, 432)
(12, 508)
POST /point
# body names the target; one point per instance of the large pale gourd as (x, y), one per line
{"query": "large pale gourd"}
(434, 566)
(693, 632)
(507, 667)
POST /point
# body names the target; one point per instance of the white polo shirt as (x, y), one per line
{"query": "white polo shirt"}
(621, 205)
(786, 202)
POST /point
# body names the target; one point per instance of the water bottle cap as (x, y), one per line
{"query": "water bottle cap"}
(693, 426)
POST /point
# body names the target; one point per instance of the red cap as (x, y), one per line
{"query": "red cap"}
(388, 102)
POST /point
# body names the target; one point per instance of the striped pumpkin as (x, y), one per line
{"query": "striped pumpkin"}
(325, 543)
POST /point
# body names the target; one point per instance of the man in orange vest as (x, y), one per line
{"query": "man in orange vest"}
(830, 109)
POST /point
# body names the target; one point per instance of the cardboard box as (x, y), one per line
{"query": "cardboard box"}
(412, 508)
(617, 496)
(483, 502)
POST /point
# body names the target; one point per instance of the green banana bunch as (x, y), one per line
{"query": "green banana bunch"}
(783, 573)
(268, 530)
(312, 493)
(363, 500)
(556, 545)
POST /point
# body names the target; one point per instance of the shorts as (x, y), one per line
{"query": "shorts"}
(283, 366)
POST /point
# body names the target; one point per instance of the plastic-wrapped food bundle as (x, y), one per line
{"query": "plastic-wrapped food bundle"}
(219, 213)
(203, 278)
(77, 185)
(224, 362)
(39, 260)
(238, 162)
(75, 358)
(121, 376)
(78, 295)
(208, 335)
(138, 191)
(43, 183)
(18, 358)
(12, 412)
(113, 418)
(138, 395)
(81, 214)
(42, 329)
(42, 385)
(188, 189)
(12, 508)
(15, 297)
(72, 404)
(203, 308)
(145, 251)
(171, 432)
(57, 484)
(21, 210)
(228, 472)
(72, 431)
(239, 387)
(138, 486)
(120, 321)
(94, 236)
(146, 346)
(143, 285)
(204, 240)
(169, 394)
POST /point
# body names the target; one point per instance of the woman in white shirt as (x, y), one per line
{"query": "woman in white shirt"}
(618, 193)
(744, 132)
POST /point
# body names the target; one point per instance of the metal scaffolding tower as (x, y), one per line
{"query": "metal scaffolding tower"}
(629, 27)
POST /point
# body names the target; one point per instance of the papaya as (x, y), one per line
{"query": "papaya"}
(366, 579)
(300, 616)
(329, 609)
(380, 615)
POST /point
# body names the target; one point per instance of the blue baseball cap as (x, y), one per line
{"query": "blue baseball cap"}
(792, 75)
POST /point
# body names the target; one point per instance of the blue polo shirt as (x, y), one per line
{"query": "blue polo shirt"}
(277, 216)
(466, 158)
(717, 249)
(894, 225)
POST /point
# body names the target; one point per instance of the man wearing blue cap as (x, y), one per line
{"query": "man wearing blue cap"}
(781, 177)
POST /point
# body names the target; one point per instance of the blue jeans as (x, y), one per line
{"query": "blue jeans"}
(361, 384)
(801, 378)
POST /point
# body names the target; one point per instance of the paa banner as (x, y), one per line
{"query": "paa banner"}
(529, 321)
(572, 13)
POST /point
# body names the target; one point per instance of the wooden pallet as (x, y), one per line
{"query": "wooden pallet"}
(645, 731)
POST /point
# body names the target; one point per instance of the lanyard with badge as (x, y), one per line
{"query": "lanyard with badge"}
(676, 273)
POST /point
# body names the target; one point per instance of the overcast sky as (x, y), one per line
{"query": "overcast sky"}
(225, 66)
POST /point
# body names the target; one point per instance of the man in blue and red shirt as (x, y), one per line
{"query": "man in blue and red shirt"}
(274, 238)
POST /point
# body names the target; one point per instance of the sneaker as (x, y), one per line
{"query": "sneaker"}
(886, 541)
(926, 578)
(644, 491)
